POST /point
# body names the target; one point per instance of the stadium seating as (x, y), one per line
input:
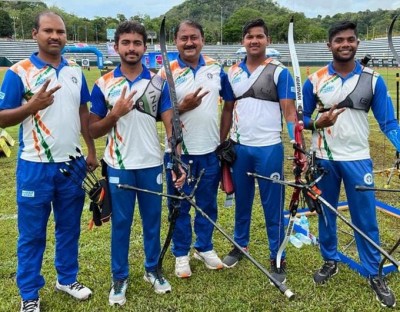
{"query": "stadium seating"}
(310, 54)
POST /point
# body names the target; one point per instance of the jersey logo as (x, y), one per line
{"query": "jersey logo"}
(326, 89)
(275, 175)
(30, 194)
(114, 180)
(368, 179)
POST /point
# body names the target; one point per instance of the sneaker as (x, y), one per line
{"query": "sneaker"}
(30, 305)
(233, 257)
(117, 292)
(160, 284)
(279, 274)
(328, 269)
(182, 267)
(76, 290)
(210, 259)
(382, 291)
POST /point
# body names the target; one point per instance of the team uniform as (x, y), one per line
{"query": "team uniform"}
(343, 150)
(200, 139)
(46, 140)
(256, 130)
(134, 157)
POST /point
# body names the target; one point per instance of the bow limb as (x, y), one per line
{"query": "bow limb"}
(298, 145)
(390, 40)
(396, 56)
(300, 158)
(175, 140)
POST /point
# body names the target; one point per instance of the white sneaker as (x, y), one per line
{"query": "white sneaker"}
(210, 259)
(182, 267)
(30, 305)
(76, 290)
(117, 292)
(160, 284)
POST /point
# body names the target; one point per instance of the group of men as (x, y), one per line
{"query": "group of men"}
(48, 96)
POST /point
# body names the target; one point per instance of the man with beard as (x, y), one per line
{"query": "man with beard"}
(126, 104)
(343, 92)
(199, 81)
(47, 94)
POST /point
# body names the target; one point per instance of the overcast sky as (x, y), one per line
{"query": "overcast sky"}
(154, 8)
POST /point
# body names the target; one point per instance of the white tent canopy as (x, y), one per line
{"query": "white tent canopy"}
(270, 52)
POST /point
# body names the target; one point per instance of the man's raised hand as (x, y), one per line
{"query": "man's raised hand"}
(192, 100)
(124, 104)
(42, 98)
(329, 118)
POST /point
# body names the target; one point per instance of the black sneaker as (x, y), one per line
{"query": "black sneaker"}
(383, 293)
(30, 305)
(279, 274)
(233, 257)
(328, 270)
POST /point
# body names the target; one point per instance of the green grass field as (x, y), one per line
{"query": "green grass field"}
(243, 288)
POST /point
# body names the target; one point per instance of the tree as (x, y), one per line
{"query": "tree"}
(6, 24)
(121, 18)
(234, 24)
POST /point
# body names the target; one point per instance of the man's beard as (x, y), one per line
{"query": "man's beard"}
(132, 62)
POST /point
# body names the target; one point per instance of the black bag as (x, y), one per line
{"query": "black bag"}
(99, 195)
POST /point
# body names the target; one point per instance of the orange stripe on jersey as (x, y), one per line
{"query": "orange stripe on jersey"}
(25, 64)
(111, 150)
(208, 60)
(322, 72)
(118, 136)
(42, 125)
(36, 143)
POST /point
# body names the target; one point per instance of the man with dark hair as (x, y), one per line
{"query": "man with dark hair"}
(264, 90)
(343, 92)
(47, 94)
(194, 72)
(125, 105)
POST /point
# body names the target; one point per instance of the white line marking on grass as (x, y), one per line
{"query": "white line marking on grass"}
(8, 217)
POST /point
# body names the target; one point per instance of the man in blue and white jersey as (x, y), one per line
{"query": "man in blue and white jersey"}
(47, 95)
(200, 82)
(343, 92)
(264, 90)
(126, 104)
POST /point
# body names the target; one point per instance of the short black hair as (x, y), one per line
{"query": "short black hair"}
(254, 23)
(44, 13)
(127, 27)
(341, 26)
(190, 23)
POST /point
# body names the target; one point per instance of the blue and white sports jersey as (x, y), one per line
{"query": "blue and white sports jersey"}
(347, 139)
(52, 134)
(258, 122)
(133, 143)
(200, 126)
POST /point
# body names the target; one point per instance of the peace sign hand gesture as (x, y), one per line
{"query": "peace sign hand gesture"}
(192, 100)
(42, 98)
(329, 118)
(124, 104)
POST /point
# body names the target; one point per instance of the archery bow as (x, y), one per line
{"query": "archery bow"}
(396, 56)
(298, 145)
(175, 140)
